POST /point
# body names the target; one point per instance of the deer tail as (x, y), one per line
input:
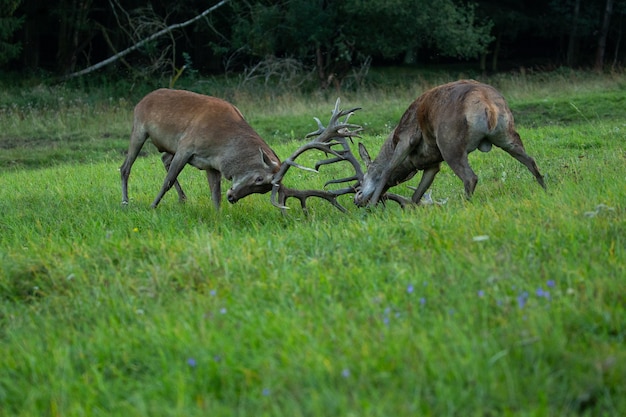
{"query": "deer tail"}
(491, 113)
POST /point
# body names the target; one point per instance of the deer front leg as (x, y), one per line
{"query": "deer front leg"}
(177, 164)
(215, 185)
(167, 161)
(425, 182)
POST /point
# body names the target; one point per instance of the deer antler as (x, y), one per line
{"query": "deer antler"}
(335, 135)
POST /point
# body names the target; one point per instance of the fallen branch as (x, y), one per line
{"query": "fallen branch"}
(144, 41)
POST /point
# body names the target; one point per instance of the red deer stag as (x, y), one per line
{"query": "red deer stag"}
(206, 132)
(445, 123)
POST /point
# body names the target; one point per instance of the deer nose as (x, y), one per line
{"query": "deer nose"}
(358, 198)
(231, 197)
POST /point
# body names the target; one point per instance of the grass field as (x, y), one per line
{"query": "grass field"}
(512, 304)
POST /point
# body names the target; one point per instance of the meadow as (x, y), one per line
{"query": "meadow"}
(512, 304)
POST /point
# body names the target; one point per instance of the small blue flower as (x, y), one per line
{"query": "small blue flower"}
(409, 288)
(223, 311)
(213, 292)
(543, 293)
(266, 392)
(345, 373)
(191, 362)
(481, 293)
(422, 301)
(551, 283)
(521, 299)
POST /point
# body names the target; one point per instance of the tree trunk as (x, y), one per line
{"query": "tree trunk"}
(496, 52)
(572, 44)
(321, 67)
(599, 64)
(618, 42)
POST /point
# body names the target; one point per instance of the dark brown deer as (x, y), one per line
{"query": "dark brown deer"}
(445, 123)
(206, 132)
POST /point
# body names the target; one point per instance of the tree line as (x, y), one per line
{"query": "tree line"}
(330, 37)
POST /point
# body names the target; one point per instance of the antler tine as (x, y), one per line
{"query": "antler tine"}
(336, 129)
(285, 192)
(402, 201)
(335, 134)
(276, 191)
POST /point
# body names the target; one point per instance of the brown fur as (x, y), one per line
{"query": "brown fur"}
(206, 132)
(445, 123)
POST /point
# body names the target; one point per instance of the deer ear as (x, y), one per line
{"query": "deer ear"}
(267, 161)
(365, 155)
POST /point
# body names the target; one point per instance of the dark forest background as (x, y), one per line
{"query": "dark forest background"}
(330, 39)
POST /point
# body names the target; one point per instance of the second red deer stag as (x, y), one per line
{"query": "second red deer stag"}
(206, 132)
(445, 123)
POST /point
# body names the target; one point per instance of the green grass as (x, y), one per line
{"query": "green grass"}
(110, 310)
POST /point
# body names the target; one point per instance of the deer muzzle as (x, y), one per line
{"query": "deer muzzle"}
(359, 199)
(231, 197)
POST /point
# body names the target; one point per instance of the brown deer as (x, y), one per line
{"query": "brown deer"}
(445, 123)
(206, 132)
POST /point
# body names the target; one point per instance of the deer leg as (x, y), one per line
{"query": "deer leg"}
(137, 139)
(403, 149)
(215, 185)
(177, 164)
(425, 182)
(517, 151)
(461, 167)
(167, 161)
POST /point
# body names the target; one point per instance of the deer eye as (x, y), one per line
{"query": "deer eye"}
(259, 179)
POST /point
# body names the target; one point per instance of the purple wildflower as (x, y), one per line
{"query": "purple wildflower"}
(409, 288)
(481, 293)
(521, 299)
(543, 293)
(345, 373)
(551, 283)
(191, 362)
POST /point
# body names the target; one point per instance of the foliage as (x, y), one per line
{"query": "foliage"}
(339, 36)
(405, 26)
(8, 25)
(333, 38)
(512, 304)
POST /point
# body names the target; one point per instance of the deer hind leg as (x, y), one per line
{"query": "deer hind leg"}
(137, 138)
(177, 163)
(517, 151)
(167, 161)
(456, 157)
(425, 182)
(215, 185)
